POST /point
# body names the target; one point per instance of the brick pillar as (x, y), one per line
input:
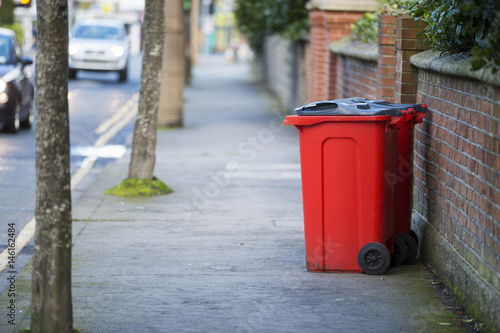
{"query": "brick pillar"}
(339, 26)
(319, 62)
(386, 60)
(327, 26)
(407, 44)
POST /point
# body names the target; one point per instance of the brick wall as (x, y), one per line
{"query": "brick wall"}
(283, 65)
(386, 60)
(355, 78)
(456, 168)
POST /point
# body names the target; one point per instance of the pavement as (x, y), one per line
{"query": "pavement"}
(225, 251)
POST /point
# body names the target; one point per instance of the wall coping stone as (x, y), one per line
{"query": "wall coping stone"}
(355, 49)
(446, 64)
(343, 5)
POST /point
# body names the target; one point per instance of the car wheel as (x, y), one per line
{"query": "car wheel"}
(13, 125)
(72, 74)
(123, 74)
(28, 122)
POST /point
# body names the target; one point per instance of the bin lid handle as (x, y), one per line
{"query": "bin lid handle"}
(321, 105)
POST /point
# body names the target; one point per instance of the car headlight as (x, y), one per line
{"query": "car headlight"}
(117, 51)
(73, 49)
(3, 85)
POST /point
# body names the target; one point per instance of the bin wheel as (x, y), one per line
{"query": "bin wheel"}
(414, 235)
(411, 248)
(399, 255)
(374, 258)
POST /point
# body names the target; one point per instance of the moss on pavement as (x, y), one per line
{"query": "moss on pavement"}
(139, 188)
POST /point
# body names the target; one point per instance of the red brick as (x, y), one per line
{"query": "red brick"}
(408, 22)
(408, 33)
(410, 44)
(405, 88)
(386, 71)
(408, 77)
(343, 19)
(405, 66)
(405, 55)
(386, 81)
(405, 98)
(387, 61)
(386, 50)
(386, 39)
(387, 30)
(387, 19)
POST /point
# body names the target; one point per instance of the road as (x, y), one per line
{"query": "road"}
(97, 102)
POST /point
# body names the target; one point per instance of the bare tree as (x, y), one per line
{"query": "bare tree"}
(143, 150)
(51, 282)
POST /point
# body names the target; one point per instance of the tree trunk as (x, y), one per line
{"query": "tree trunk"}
(143, 148)
(51, 282)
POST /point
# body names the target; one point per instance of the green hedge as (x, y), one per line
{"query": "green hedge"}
(464, 28)
(461, 27)
(258, 18)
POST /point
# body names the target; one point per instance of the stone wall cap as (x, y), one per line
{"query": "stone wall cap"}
(343, 5)
(446, 64)
(355, 49)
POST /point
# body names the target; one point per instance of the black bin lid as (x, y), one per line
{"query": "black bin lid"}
(356, 106)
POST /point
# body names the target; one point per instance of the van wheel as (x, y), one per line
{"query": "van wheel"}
(123, 74)
(72, 74)
(28, 122)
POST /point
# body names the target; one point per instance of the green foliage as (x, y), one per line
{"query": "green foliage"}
(463, 27)
(7, 19)
(366, 28)
(139, 188)
(6, 12)
(18, 29)
(258, 18)
(394, 7)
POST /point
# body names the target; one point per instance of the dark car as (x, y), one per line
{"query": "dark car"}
(16, 87)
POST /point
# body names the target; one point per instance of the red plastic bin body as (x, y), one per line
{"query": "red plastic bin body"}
(346, 162)
(404, 179)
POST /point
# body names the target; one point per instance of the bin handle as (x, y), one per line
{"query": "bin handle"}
(419, 116)
(394, 122)
(317, 105)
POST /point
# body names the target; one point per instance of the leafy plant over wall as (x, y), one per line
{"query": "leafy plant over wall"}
(258, 18)
(464, 28)
(394, 7)
(365, 29)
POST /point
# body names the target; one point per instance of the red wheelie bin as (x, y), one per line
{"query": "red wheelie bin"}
(403, 181)
(348, 151)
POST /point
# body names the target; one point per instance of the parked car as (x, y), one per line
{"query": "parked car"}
(16, 86)
(99, 45)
